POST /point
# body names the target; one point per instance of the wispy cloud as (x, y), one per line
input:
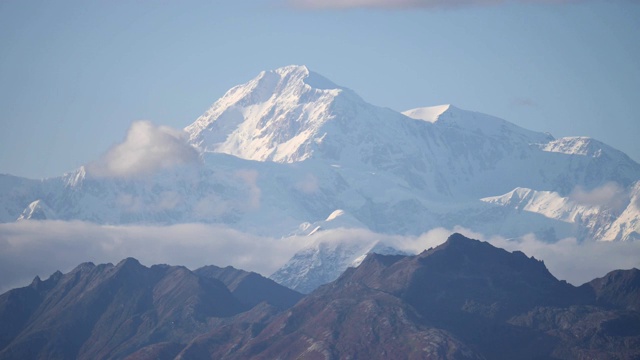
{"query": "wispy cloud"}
(574, 261)
(405, 4)
(146, 149)
(610, 195)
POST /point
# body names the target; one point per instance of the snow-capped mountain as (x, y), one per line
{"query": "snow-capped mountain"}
(278, 116)
(292, 114)
(292, 153)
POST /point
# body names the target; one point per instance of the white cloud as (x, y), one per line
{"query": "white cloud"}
(31, 248)
(404, 4)
(610, 195)
(146, 149)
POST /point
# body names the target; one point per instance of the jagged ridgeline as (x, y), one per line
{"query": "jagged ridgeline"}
(464, 299)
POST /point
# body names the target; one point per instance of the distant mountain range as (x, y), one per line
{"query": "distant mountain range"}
(464, 299)
(292, 153)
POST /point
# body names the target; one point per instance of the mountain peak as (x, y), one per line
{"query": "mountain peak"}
(291, 69)
(129, 263)
(460, 252)
(297, 73)
(460, 241)
(274, 117)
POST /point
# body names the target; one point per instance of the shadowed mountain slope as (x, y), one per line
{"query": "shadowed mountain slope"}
(618, 289)
(252, 288)
(106, 311)
(463, 299)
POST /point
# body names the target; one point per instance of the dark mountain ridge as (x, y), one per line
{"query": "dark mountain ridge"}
(464, 299)
(108, 311)
(617, 289)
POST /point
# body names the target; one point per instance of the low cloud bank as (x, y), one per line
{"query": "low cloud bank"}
(147, 148)
(31, 248)
(407, 4)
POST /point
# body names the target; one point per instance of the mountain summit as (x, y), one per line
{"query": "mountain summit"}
(277, 116)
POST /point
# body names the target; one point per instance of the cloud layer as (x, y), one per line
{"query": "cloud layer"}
(403, 4)
(146, 149)
(31, 248)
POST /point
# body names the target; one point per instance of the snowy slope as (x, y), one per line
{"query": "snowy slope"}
(584, 221)
(15, 196)
(626, 225)
(547, 203)
(38, 210)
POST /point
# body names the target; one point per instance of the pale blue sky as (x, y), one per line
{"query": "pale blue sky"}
(75, 74)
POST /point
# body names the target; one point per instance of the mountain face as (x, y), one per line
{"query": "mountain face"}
(618, 289)
(251, 288)
(464, 299)
(282, 153)
(108, 311)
